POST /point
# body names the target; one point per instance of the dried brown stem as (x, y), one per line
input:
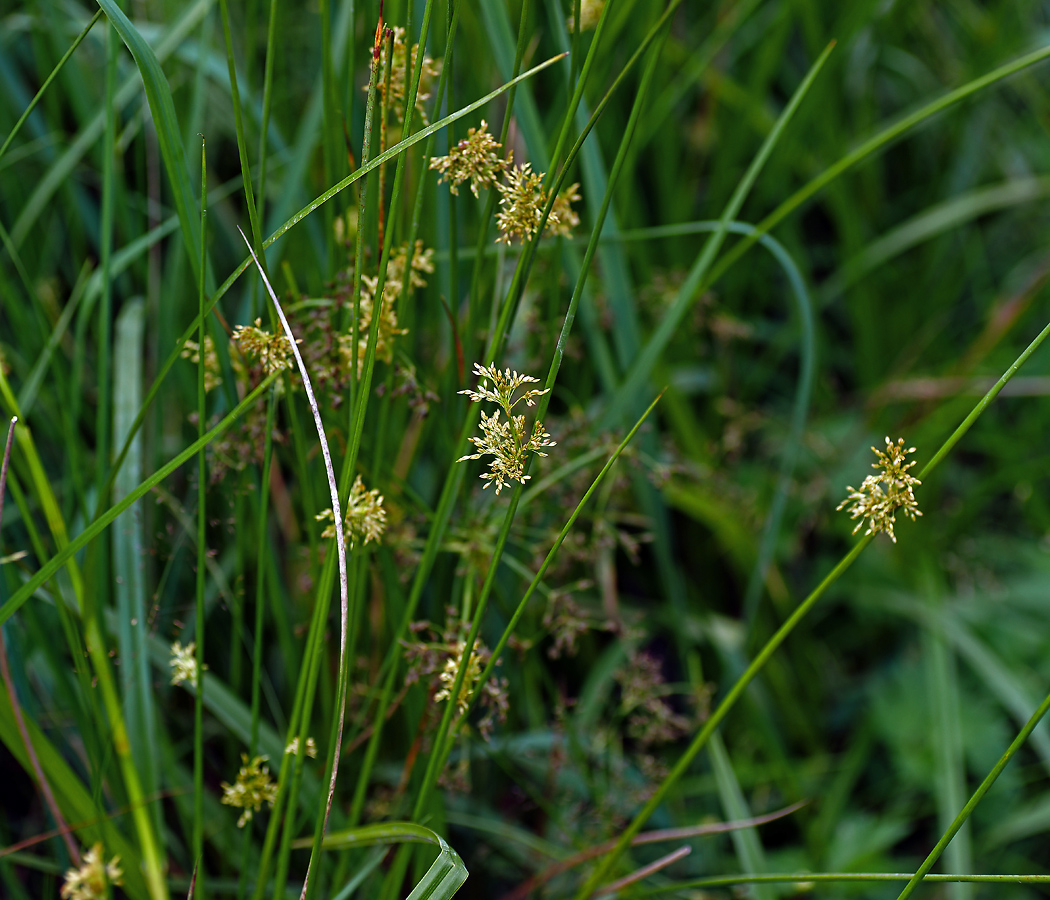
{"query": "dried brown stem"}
(645, 871)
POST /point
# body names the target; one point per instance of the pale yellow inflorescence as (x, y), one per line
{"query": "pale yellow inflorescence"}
(470, 677)
(522, 195)
(365, 518)
(563, 218)
(254, 787)
(474, 157)
(429, 71)
(388, 330)
(508, 442)
(521, 204)
(274, 351)
(879, 497)
(191, 351)
(94, 877)
(311, 747)
(184, 663)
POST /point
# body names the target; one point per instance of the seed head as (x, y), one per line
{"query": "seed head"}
(273, 350)
(92, 880)
(879, 497)
(430, 70)
(311, 747)
(474, 157)
(184, 662)
(251, 790)
(191, 351)
(508, 442)
(563, 219)
(470, 677)
(521, 204)
(422, 264)
(365, 517)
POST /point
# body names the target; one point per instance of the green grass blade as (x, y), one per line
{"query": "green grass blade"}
(801, 881)
(380, 833)
(47, 82)
(199, 872)
(976, 798)
(105, 519)
(930, 223)
(158, 93)
(443, 878)
(672, 320)
(745, 840)
(946, 738)
(128, 553)
(242, 143)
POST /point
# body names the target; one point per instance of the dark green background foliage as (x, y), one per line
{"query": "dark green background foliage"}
(923, 267)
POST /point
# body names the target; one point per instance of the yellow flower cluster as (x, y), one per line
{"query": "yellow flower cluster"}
(430, 71)
(184, 662)
(522, 195)
(191, 351)
(422, 264)
(365, 517)
(470, 677)
(879, 497)
(474, 157)
(274, 351)
(509, 442)
(251, 790)
(94, 877)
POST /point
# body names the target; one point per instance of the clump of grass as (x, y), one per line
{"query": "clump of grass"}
(537, 677)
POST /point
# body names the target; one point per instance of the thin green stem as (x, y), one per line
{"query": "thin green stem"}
(52, 75)
(105, 519)
(778, 638)
(978, 795)
(242, 144)
(696, 286)
(803, 879)
(202, 553)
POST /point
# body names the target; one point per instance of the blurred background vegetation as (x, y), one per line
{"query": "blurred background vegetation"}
(924, 272)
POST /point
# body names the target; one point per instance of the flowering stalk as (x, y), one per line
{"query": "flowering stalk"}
(253, 787)
(509, 442)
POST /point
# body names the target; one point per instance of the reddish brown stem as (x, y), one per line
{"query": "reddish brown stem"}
(524, 889)
(644, 872)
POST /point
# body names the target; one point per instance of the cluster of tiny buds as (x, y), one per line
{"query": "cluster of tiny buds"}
(880, 496)
(254, 787)
(474, 158)
(522, 195)
(93, 878)
(184, 663)
(508, 442)
(365, 518)
(274, 351)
